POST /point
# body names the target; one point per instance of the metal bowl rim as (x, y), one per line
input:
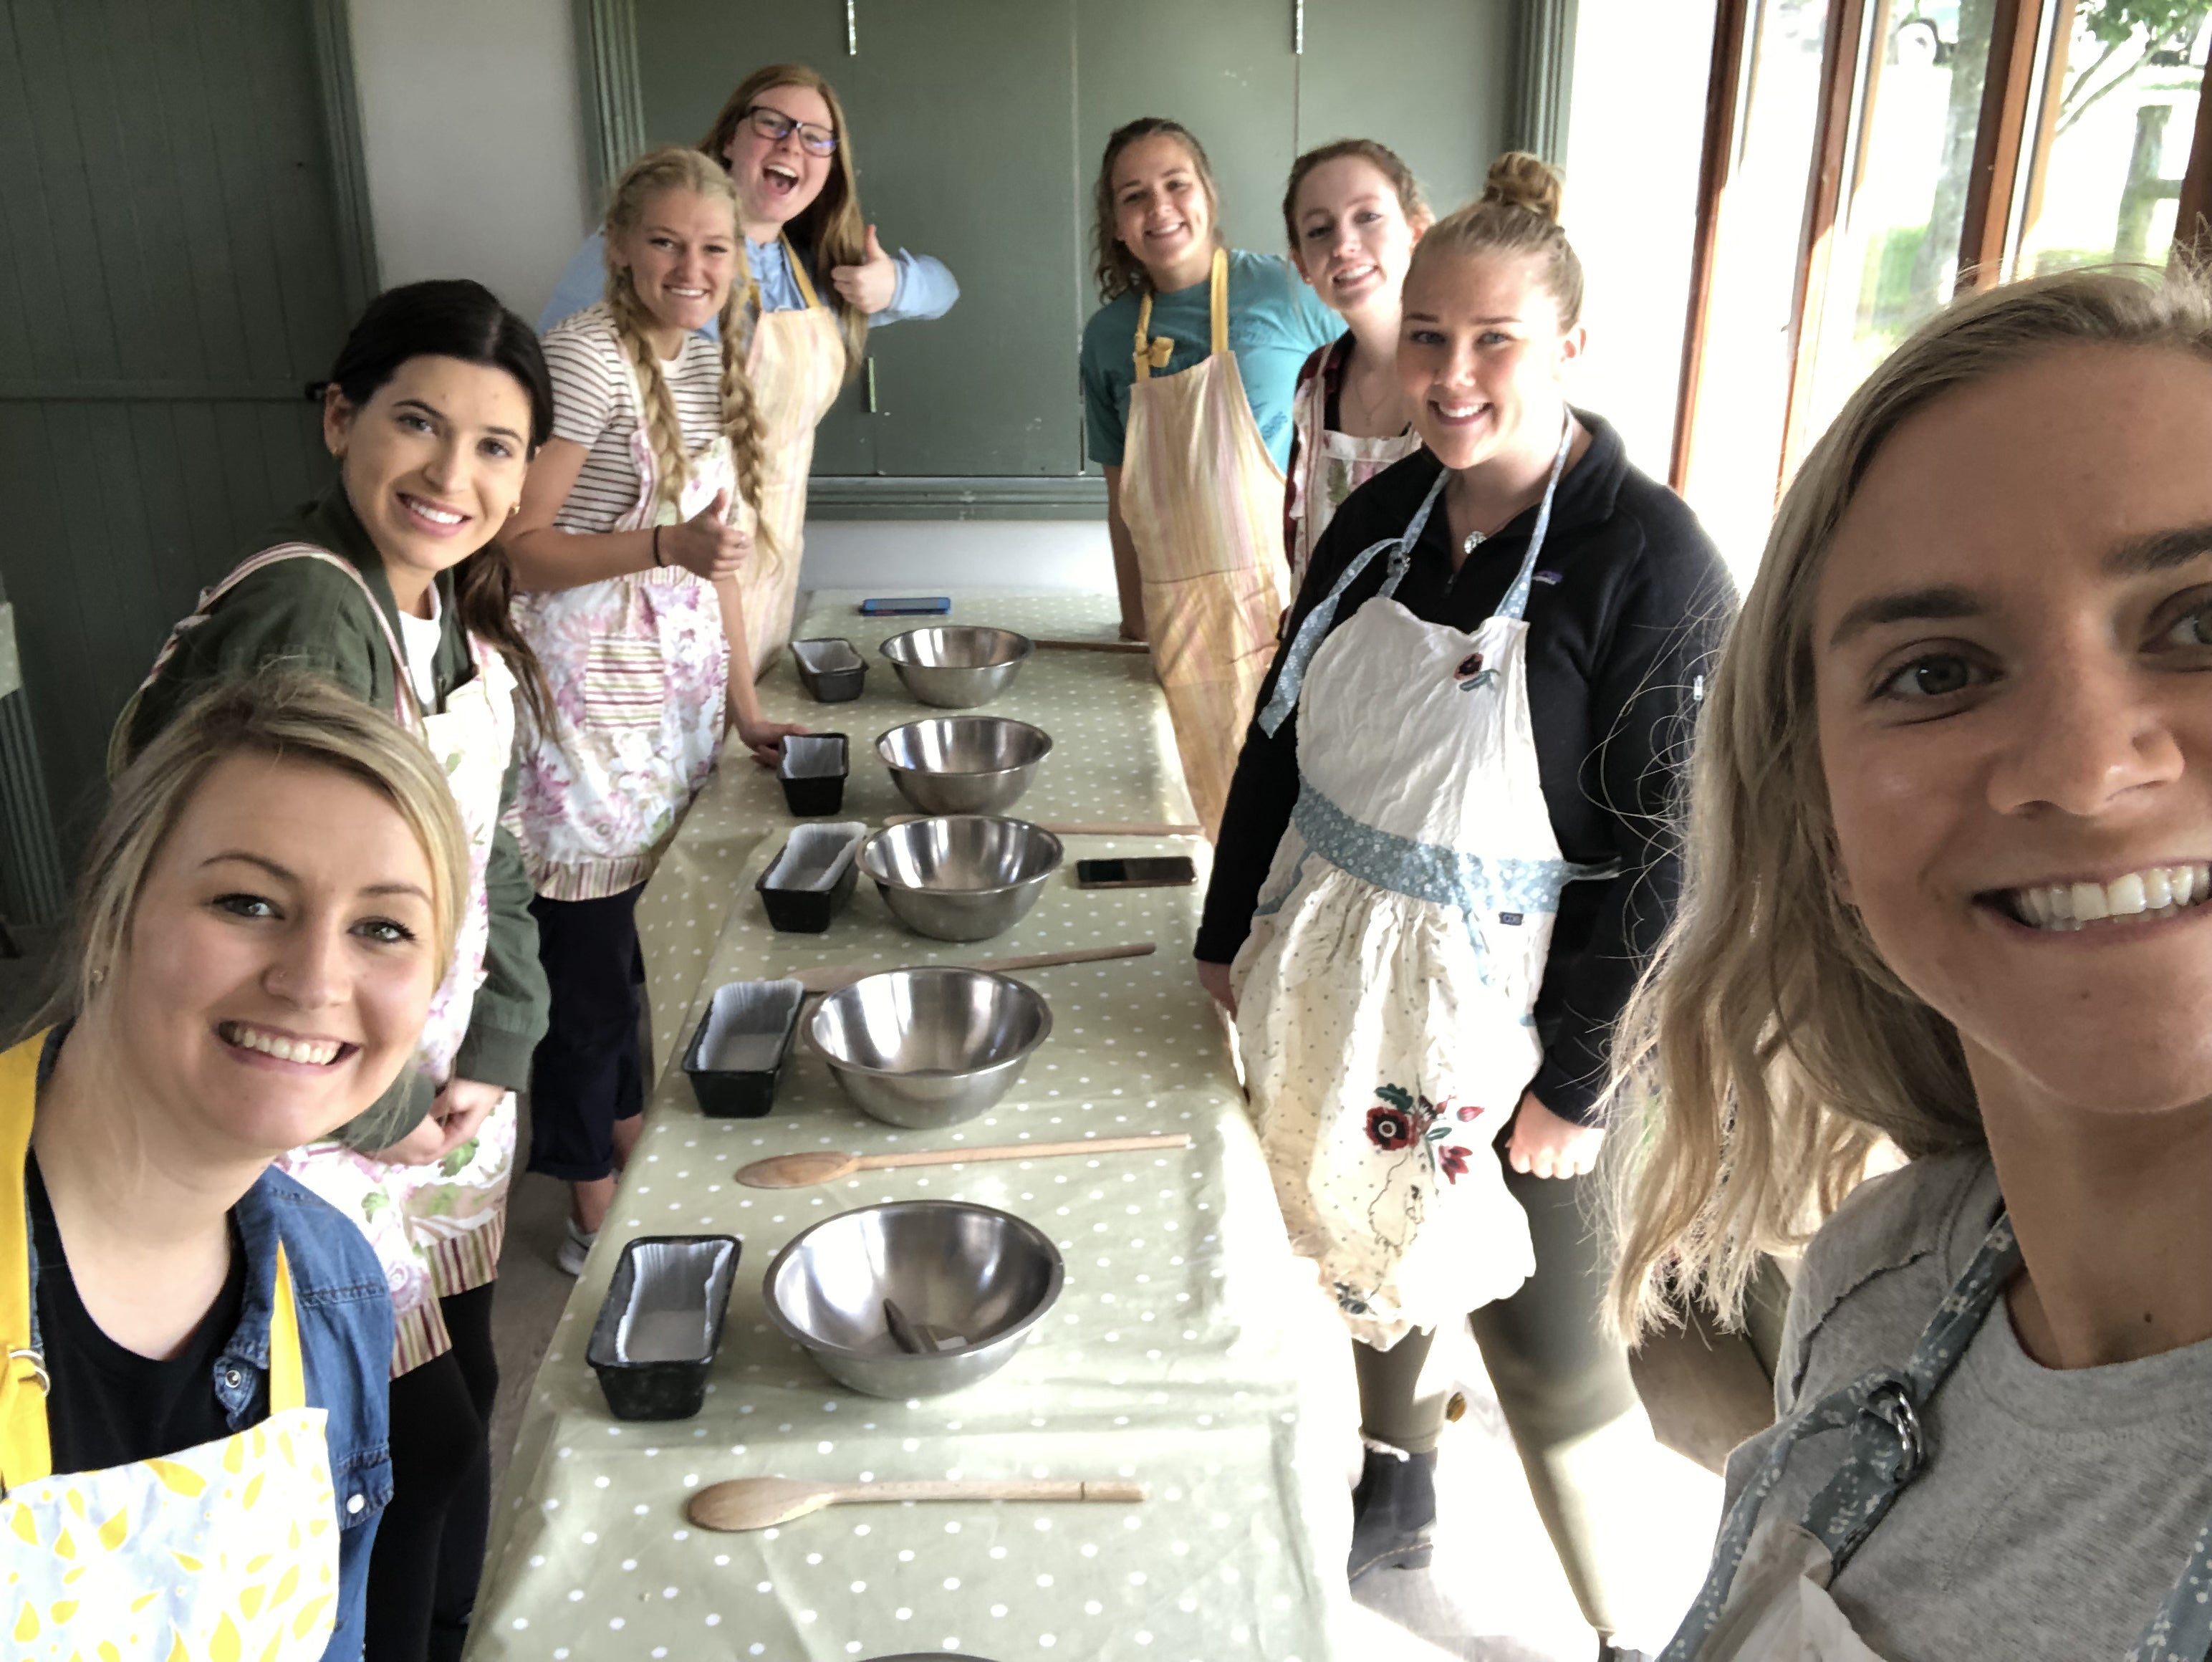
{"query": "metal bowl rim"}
(1027, 649)
(956, 773)
(790, 1330)
(1043, 1031)
(1059, 850)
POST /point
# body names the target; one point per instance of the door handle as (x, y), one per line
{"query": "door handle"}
(870, 363)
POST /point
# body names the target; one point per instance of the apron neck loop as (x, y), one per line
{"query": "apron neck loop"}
(798, 273)
(1216, 304)
(1516, 603)
(1153, 354)
(1291, 667)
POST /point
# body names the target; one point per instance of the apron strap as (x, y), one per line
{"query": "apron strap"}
(1218, 302)
(25, 1453)
(797, 274)
(1151, 354)
(1516, 603)
(1291, 672)
(288, 1374)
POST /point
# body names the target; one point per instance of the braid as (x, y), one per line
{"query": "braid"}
(741, 421)
(663, 429)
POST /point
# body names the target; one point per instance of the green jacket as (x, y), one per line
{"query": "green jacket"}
(303, 613)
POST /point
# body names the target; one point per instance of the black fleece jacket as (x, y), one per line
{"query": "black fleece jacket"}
(1628, 604)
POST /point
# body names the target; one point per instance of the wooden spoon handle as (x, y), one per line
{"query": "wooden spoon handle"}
(1086, 955)
(1091, 646)
(1025, 1151)
(982, 1489)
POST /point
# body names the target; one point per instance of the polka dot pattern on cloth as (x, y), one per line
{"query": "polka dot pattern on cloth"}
(1188, 1348)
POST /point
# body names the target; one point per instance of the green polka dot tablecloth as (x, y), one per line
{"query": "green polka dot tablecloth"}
(1188, 1350)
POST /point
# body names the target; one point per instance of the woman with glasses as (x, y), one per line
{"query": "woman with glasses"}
(783, 139)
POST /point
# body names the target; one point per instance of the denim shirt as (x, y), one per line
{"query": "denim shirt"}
(345, 1345)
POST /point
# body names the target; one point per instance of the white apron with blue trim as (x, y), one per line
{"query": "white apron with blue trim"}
(1385, 994)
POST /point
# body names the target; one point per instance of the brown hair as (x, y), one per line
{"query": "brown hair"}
(283, 713)
(1380, 156)
(1118, 268)
(651, 175)
(1768, 1048)
(1518, 213)
(829, 231)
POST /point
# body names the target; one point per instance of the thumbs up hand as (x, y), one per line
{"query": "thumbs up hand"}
(869, 286)
(705, 544)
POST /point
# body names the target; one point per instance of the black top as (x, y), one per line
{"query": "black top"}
(1628, 604)
(109, 1406)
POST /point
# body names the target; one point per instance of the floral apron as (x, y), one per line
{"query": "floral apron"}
(1767, 1597)
(796, 364)
(1328, 465)
(1385, 994)
(638, 671)
(1203, 500)
(437, 1229)
(228, 1549)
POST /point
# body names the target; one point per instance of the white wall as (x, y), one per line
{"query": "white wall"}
(471, 120)
(937, 557)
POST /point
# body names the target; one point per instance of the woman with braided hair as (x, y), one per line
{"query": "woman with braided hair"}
(635, 518)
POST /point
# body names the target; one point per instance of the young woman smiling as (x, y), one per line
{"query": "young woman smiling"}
(1441, 862)
(820, 280)
(1354, 211)
(394, 585)
(629, 551)
(193, 1348)
(1193, 427)
(1946, 866)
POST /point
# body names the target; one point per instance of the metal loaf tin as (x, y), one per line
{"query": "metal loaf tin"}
(811, 880)
(658, 1332)
(737, 1054)
(831, 669)
(813, 769)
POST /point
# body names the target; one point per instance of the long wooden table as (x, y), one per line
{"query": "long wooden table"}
(1188, 1349)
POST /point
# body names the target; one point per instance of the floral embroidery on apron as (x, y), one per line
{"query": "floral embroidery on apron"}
(638, 667)
(1329, 465)
(1203, 499)
(1385, 994)
(229, 1548)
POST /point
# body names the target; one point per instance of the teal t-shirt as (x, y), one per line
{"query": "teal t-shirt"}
(1275, 321)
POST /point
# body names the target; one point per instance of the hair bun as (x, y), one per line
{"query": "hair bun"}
(1518, 179)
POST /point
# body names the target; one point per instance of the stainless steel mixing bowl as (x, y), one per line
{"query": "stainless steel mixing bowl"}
(963, 876)
(971, 1272)
(964, 763)
(930, 1046)
(957, 666)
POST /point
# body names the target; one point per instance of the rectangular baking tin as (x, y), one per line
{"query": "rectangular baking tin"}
(737, 1056)
(830, 668)
(811, 880)
(813, 771)
(655, 1339)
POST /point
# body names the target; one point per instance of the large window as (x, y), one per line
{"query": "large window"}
(1865, 158)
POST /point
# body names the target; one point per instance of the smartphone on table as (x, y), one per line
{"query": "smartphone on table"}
(1155, 872)
(919, 605)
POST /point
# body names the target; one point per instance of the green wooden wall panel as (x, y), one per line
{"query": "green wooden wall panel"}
(1450, 66)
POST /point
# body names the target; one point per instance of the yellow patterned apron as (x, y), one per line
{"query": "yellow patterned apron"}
(796, 364)
(229, 1549)
(1203, 500)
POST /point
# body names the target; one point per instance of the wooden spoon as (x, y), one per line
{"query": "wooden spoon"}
(760, 1502)
(1092, 827)
(827, 1166)
(830, 977)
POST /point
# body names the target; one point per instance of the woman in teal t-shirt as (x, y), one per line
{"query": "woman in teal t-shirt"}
(1189, 369)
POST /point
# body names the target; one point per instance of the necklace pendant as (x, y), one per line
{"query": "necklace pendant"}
(1474, 540)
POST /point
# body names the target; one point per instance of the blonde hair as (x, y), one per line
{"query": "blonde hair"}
(652, 176)
(829, 230)
(283, 713)
(1768, 1048)
(1518, 213)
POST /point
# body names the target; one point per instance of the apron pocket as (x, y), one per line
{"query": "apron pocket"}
(623, 685)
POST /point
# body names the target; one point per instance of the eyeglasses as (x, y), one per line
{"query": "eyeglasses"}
(774, 125)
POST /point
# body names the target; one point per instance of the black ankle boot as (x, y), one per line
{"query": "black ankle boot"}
(1394, 1511)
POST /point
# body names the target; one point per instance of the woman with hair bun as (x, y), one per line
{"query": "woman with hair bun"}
(1444, 857)
(1354, 211)
(1946, 868)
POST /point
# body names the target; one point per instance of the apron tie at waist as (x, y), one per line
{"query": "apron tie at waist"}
(1430, 872)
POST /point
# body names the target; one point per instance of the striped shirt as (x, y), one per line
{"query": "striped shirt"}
(596, 404)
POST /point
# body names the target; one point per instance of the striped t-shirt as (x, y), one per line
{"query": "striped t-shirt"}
(596, 401)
